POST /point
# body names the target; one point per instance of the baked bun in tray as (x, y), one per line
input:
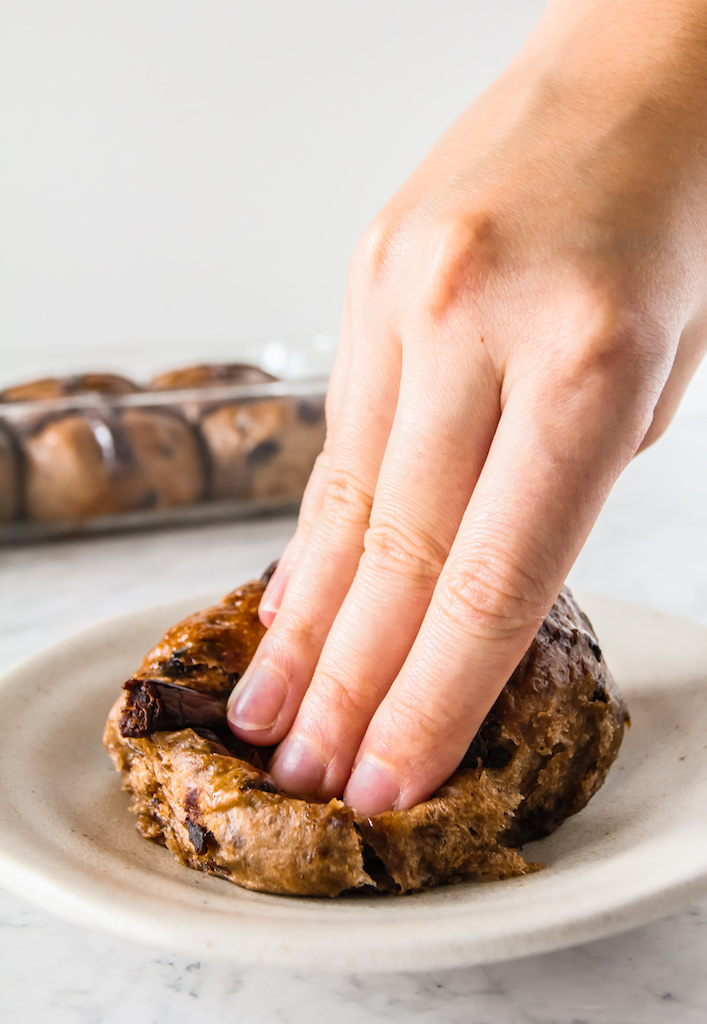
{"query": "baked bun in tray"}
(96, 451)
(258, 448)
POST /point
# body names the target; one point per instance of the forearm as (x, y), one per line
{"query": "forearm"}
(612, 36)
(606, 52)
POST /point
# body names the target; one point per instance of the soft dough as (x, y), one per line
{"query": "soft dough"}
(544, 749)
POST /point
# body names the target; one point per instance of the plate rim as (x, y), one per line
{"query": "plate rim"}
(62, 896)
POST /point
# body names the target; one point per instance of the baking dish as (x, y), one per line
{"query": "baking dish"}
(107, 453)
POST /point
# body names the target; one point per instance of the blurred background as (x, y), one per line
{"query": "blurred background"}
(181, 176)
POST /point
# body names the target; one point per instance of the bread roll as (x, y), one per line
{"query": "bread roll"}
(260, 448)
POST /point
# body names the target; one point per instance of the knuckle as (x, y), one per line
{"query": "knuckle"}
(607, 355)
(346, 499)
(331, 408)
(616, 338)
(309, 508)
(458, 258)
(324, 458)
(374, 255)
(410, 717)
(322, 462)
(491, 601)
(657, 427)
(609, 346)
(293, 636)
(334, 698)
(320, 469)
(390, 548)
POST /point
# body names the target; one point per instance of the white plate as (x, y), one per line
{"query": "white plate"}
(639, 850)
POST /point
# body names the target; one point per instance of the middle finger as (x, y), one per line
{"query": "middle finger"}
(439, 441)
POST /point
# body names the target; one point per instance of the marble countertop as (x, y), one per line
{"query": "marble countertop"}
(649, 546)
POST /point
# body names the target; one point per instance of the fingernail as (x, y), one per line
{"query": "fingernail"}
(272, 596)
(373, 788)
(298, 767)
(256, 701)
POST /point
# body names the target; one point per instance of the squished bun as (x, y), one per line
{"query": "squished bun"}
(543, 751)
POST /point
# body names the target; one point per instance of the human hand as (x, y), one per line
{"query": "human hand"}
(520, 319)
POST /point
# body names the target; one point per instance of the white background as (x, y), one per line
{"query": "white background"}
(179, 174)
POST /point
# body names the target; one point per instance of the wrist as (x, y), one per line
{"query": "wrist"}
(613, 52)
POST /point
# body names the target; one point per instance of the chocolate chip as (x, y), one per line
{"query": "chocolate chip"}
(198, 835)
(262, 453)
(147, 500)
(498, 757)
(310, 412)
(153, 705)
(595, 648)
(192, 801)
(175, 668)
(586, 620)
(600, 694)
(259, 785)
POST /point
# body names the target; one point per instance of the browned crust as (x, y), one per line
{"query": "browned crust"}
(208, 374)
(542, 752)
(63, 387)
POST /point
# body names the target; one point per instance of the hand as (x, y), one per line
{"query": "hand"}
(520, 319)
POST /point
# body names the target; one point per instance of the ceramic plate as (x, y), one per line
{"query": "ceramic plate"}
(639, 850)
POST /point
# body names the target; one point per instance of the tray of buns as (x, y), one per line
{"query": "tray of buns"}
(98, 451)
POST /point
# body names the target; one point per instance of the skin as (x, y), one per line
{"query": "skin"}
(520, 320)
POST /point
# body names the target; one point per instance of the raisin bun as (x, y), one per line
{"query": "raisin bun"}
(210, 375)
(95, 464)
(542, 752)
(50, 389)
(65, 387)
(10, 475)
(259, 448)
(279, 466)
(104, 459)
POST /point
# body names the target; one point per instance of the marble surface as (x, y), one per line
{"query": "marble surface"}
(649, 546)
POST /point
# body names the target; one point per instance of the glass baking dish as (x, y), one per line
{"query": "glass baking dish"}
(105, 453)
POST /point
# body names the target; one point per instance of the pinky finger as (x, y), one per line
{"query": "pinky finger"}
(309, 510)
(311, 499)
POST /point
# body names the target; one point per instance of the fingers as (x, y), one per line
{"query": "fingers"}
(265, 701)
(549, 469)
(309, 510)
(690, 352)
(438, 443)
(313, 493)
